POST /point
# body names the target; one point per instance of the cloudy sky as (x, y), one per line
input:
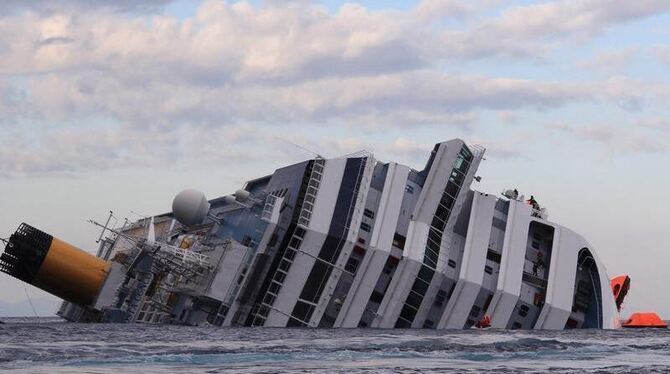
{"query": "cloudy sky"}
(119, 104)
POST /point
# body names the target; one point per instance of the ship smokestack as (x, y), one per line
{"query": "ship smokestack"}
(57, 267)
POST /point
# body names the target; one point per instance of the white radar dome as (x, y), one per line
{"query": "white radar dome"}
(190, 207)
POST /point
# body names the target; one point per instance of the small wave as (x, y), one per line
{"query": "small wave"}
(106, 348)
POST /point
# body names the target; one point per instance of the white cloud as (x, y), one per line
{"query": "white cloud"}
(533, 30)
(150, 76)
(616, 140)
(611, 61)
(662, 53)
(11, 7)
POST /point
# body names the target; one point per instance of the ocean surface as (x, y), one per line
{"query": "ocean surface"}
(48, 346)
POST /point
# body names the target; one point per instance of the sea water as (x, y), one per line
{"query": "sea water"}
(47, 346)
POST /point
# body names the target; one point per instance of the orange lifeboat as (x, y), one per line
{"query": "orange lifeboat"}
(645, 319)
(484, 323)
(620, 286)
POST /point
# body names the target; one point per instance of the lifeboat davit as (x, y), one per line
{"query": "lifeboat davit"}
(644, 320)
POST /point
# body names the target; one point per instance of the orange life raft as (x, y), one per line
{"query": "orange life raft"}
(646, 319)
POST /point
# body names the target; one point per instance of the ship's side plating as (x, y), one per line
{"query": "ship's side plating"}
(347, 242)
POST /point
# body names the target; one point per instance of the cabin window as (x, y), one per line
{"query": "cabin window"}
(351, 266)
(368, 213)
(452, 263)
(523, 310)
(365, 227)
(399, 241)
(440, 297)
(488, 269)
(493, 256)
(359, 250)
(376, 297)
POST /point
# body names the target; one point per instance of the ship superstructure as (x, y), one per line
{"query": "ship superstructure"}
(343, 242)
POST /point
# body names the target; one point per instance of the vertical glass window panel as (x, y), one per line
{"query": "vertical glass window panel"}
(461, 165)
(295, 242)
(420, 286)
(279, 276)
(301, 310)
(434, 240)
(435, 235)
(438, 223)
(284, 265)
(442, 211)
(290, 254)
(432, 246)
(274, 287)
(426, 274)
(299, 232)
(414, 299)
(430, 258)
(264, 311)
(402, 324)
(465, 152)
(408, 313)
(269, 299)
(451, 189)
(457, 177)
(458, 162)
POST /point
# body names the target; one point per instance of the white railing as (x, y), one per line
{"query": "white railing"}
(185, 256)
(477, 150)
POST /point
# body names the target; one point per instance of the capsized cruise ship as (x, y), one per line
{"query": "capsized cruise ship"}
(343, 242)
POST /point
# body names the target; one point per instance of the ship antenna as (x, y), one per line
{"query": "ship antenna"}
(300, 147)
